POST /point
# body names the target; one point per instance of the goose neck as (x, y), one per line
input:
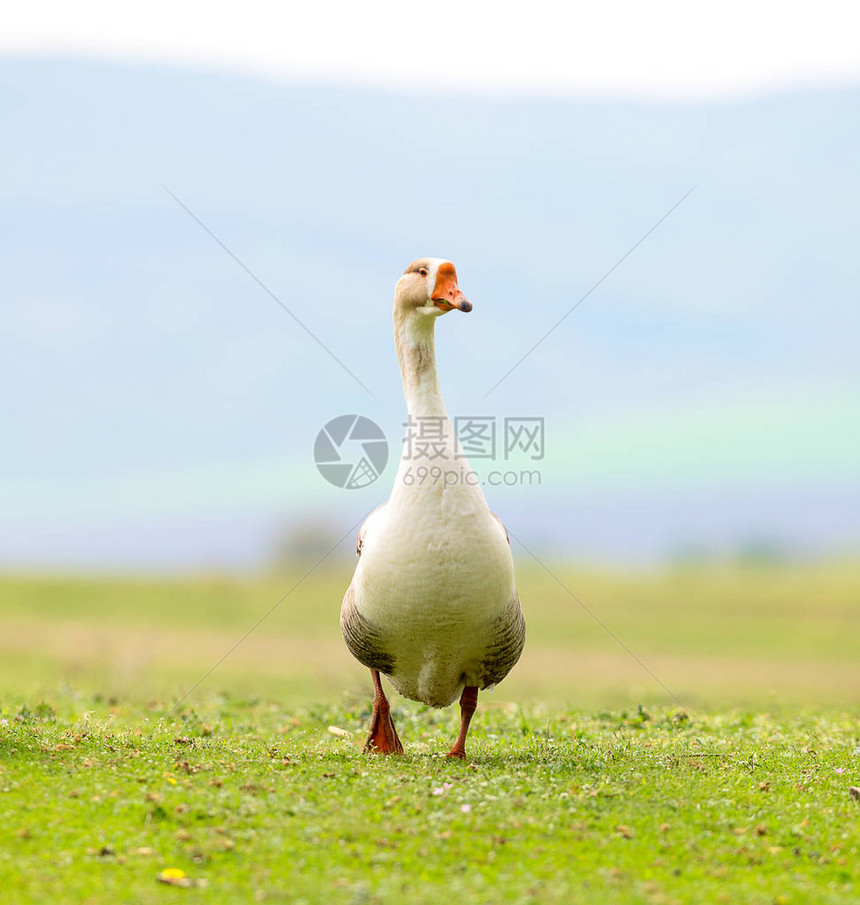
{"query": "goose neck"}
(416, 353)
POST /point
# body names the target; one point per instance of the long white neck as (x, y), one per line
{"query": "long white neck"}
(431, 469)
(414, 339)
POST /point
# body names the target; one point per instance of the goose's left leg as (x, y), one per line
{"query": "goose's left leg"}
(468, 705)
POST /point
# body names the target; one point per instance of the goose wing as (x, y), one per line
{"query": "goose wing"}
(364, 640)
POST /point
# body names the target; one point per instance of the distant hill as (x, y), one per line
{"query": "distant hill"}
(159, 407)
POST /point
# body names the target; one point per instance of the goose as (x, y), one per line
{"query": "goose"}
(433, 603)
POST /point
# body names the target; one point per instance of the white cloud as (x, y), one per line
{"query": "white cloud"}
(664, 48)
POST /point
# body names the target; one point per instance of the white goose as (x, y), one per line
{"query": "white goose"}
(433, 604)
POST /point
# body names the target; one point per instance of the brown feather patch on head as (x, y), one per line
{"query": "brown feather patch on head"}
(417, 265)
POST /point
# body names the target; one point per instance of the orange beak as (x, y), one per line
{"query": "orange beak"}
(446, 292)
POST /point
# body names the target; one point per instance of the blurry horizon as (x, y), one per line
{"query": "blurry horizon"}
(161, 409)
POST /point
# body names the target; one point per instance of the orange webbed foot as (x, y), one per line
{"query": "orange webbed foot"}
(382, 737)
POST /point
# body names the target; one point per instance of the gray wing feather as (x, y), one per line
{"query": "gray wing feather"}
(509, 638)
(365, 641)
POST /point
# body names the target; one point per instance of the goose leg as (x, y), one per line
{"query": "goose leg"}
(468, 705)
(382, 737)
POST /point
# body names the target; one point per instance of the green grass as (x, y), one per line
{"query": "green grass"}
(264, 803)
(715, 636)
(586, 782)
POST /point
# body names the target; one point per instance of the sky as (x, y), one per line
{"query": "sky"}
(660, 49)
(702, 396)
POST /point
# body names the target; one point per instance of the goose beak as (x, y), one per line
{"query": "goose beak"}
(446, 292)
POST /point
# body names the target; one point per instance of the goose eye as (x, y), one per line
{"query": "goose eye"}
(423, 271)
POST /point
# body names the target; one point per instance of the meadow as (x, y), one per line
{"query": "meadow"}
(132, 771)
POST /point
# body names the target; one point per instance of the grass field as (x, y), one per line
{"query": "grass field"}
(713, 635)
(587, 781)
(263, 803)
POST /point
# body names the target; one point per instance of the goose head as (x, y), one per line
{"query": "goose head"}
(429, 287)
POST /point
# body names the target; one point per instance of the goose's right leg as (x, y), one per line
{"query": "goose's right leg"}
(382, 737)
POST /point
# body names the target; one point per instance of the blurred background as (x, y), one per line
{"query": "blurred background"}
(699, 485)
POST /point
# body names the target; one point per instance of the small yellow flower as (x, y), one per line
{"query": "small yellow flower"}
(173, 876)
(171, 873)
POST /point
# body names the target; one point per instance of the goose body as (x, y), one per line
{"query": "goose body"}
(433, 602)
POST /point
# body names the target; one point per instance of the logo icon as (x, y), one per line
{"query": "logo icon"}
(351, 451)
